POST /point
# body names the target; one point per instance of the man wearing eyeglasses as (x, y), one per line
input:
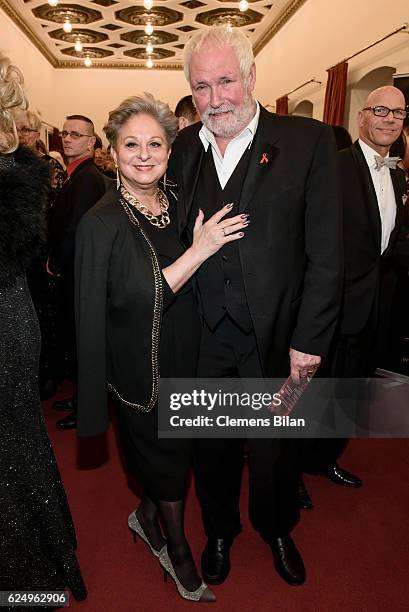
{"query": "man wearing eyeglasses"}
(373, 190)
(84, 187)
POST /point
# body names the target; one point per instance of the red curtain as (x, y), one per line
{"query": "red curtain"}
(282, 105)
(334, 105)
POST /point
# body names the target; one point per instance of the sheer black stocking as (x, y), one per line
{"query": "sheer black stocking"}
(178, 547)
(148, 516)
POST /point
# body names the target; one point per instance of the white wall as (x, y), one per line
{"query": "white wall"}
(95, 92)
(38, 72)
(324, 32)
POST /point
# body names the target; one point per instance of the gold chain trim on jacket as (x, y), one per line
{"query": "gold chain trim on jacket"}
(157, 313)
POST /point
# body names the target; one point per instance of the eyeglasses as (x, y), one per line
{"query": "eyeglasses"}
(383, 111)
(26, 130)
(74, 135)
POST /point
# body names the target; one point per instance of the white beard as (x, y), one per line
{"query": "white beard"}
(234, 123)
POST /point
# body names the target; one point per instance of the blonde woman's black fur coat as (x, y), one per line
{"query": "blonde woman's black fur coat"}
(23, 190)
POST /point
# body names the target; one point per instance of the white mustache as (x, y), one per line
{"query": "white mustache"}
(225, 108)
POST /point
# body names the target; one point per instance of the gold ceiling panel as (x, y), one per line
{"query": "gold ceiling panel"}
(112, 31)
(158, 16)
(92, 52)
(229, 17)
(74, 12)
(157, 54)
(138, 37)
(87, 37)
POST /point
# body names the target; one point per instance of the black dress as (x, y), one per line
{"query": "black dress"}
(161, 465)
(37, 538)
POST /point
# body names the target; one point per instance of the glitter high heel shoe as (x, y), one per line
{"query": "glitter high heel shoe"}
(137, 529)
(202, 594)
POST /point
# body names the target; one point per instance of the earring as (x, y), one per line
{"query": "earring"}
(118, 179)
(164, 182)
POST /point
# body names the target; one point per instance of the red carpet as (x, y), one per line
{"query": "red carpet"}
(355, 543)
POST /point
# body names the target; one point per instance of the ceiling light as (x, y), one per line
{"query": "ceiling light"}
(149, 29)
(67, 26)
(88, 62)
(149, 63)
(78, 46)
(148, 4)
(53, 2)
(149, 48)
(243, 5)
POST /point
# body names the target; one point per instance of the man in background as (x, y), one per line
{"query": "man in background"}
(84, 187)
(373, 196)
(186, 112)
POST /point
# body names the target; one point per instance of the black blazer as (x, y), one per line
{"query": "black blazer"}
(81, 191)
(291, 256)
(119, 296)
(362, 238)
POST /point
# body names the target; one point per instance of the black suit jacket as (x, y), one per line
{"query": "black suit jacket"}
(80, 192)
(364, 264)
(291, 256)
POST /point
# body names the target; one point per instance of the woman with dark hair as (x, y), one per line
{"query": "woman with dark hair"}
(37, 534)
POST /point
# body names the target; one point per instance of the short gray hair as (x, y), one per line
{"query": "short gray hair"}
(145, 104)
(220, 37)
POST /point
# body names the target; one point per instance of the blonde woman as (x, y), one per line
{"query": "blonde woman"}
(37, 535)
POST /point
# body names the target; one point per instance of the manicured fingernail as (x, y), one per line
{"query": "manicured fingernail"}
(241, 234)
(246, 216)
(230, 205)
(246, 223)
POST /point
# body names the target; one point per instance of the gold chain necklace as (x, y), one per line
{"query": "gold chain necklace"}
(162, 220)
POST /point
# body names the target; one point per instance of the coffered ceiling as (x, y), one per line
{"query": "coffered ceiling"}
(112, 31)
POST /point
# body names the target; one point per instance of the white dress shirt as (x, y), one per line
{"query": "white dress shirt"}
(225, 165)
(385, 194)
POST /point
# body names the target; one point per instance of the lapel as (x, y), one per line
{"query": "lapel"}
(399, 187)
(191, 163)
(262, 157)
(369, 194)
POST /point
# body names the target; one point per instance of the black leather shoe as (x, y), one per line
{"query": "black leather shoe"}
(287, 560)
(342, 477)
(65, 405)
(304, 499)
(68, 422)
(216, 560)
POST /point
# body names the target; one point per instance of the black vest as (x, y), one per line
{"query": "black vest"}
(220, 278)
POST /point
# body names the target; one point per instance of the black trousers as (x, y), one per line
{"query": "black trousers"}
(227, 351)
